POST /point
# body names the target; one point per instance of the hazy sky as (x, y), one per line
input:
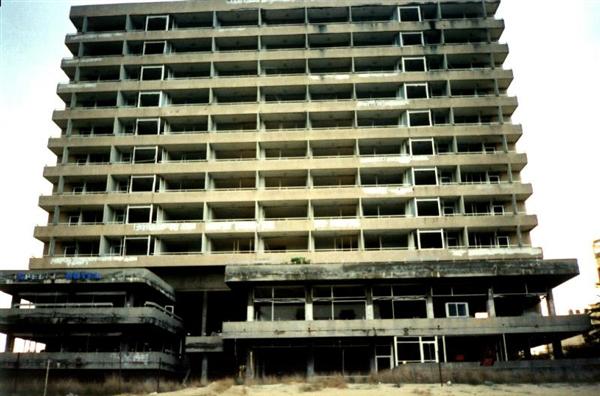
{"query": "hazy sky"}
(555, 55)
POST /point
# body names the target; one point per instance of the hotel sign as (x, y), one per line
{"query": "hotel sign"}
(68, 275)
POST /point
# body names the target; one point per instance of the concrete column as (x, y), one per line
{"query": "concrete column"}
(308, 306)
(550, 303)
(429, 305)
(10, 339)
(250, 307)
(515, 208)
(466, 237)
(204, 316)
(204, 370)
(373, 360)
(249, 363)
(369, 314)
(129, 300)
(491, 307)
(56, 215)
(557, 351)
(310, 362)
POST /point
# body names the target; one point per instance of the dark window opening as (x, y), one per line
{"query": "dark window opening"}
(428, 207)
(431, 240)
(425, 177)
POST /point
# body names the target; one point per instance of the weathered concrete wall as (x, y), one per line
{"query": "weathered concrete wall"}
(561, 270)
(407, 327)
(49, 320)
(89, 361)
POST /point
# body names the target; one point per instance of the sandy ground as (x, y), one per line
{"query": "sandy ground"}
(392, 390)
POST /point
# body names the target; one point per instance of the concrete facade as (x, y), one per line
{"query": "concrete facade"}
(283, 187)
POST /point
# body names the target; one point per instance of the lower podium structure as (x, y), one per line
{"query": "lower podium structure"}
(308, 319)
(91, 320)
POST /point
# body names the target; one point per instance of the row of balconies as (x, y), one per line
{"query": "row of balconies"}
(286, 37)
(376, 150)
(272, 17)
(302, 41)
(278, 175)
(73, 317)
(187, 198)
(388, 91)
(271, 117)
(274, 143)
(244, 63)
(223, 258)
(241, 238)
(360, 208)
(367, 69)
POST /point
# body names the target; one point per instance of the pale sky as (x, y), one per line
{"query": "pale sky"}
(555, 55)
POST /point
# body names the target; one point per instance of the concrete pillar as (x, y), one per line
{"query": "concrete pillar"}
(310, 361)
(369, 314)
(250, 307)
(129, 300)
(204, 317)
(373, 360)
(557, 352)
(550, 303)
(204, 370)
(429, 305)
(249, 363)
(308, 306)
(10, 339)
(491, 307)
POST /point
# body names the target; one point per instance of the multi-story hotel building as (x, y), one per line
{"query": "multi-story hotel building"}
(285, 186)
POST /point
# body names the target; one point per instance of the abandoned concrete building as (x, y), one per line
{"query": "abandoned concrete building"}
(275, 187)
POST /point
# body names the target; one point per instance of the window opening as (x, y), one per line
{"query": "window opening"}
(410, 14)
(151, 73)
(425, 177)
(148, 126)
(145, 155)
(422, 146)
(457, 310)
(139, 214)
(419, 118)
(339, 302)
(412, 38)
(431, 239)
(279, 303)
(154, 47)
(149, 99)
(416, 91)
(142, 183)
(157, 22)
(416, 349)
(414, 64)
(428, 207)
(137, 246)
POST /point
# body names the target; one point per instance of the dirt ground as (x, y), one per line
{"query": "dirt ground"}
(558, 389)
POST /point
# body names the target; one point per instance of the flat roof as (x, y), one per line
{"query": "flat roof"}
(551, 272)
(15, 282)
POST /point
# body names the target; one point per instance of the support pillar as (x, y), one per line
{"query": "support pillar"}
(557, 351)
(550, 303)
(370, 314)
(429, 305)
(10, 339)
(373, 361)
(204, 367)
(204, 370)
(491, 307)
(250, 307)
(310, 362)
(249, 363)
(204, 314)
